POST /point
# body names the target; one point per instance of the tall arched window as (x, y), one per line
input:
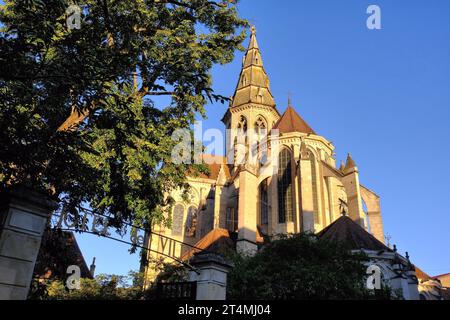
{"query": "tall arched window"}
(260, 136)
(191, 221)
(285, 203)
(240, 141)
(264, 203)
(232, 219)
(242, 125)
(312, 158)
(260, 127)
(177, 220)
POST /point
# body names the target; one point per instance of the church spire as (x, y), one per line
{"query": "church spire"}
(350, 164)
(253, 86)
(253, 43)
(342, 167)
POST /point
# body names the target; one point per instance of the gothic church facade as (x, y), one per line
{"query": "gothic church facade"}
(308, 191)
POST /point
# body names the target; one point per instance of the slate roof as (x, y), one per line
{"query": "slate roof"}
(347, 231)
(59, 249)
(254, 84)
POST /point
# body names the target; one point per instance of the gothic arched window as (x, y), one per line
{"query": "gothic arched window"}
(191, 221)
(285, 199)
(260, 134)
(240, 141)
(242, 125)
(232, 219)
(177, 220)
(264, 203)
(314, 181)
(260, 127)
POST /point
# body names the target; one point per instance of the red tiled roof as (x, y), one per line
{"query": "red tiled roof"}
(420, 274)
(442, 275)
(214, 164)
(291, 122)
(218, 241)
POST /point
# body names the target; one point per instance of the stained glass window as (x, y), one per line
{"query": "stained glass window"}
(264, 203)
(232, 220)
(314, 188)
(285, 201)
(177, 220)
(191, 221)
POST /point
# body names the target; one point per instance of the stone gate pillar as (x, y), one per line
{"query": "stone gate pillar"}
(211, 276)
(23, 216)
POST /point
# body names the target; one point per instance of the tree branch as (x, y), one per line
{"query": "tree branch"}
(163, 93)
(75, 118)
(185, 5)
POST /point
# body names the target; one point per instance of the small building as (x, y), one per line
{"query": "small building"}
(397, 272)
(433, 288)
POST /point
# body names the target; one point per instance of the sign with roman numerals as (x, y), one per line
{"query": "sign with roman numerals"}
(91, 222)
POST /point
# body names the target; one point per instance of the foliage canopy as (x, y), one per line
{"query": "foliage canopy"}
(78, 111)
(301, 267)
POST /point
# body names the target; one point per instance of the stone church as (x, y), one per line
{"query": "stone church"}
(307, 191)
(293, 186)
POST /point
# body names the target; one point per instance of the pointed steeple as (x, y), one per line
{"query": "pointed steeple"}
(253, 43)
(253, 86)
(342, 167)
(350, 164)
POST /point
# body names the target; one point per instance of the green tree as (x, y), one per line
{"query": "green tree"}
(300, 267)
(103, 287)
(78, 111)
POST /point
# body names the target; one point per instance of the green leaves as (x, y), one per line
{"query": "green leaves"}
(117, 158)
(299, 267)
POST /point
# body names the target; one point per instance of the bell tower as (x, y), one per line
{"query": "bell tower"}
(250, 117)
(252, 108)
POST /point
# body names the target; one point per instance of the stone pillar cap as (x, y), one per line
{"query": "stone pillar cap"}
(208, 258)
(21, 192)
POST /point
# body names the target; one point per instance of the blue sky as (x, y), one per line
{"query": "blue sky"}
(382, 95)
